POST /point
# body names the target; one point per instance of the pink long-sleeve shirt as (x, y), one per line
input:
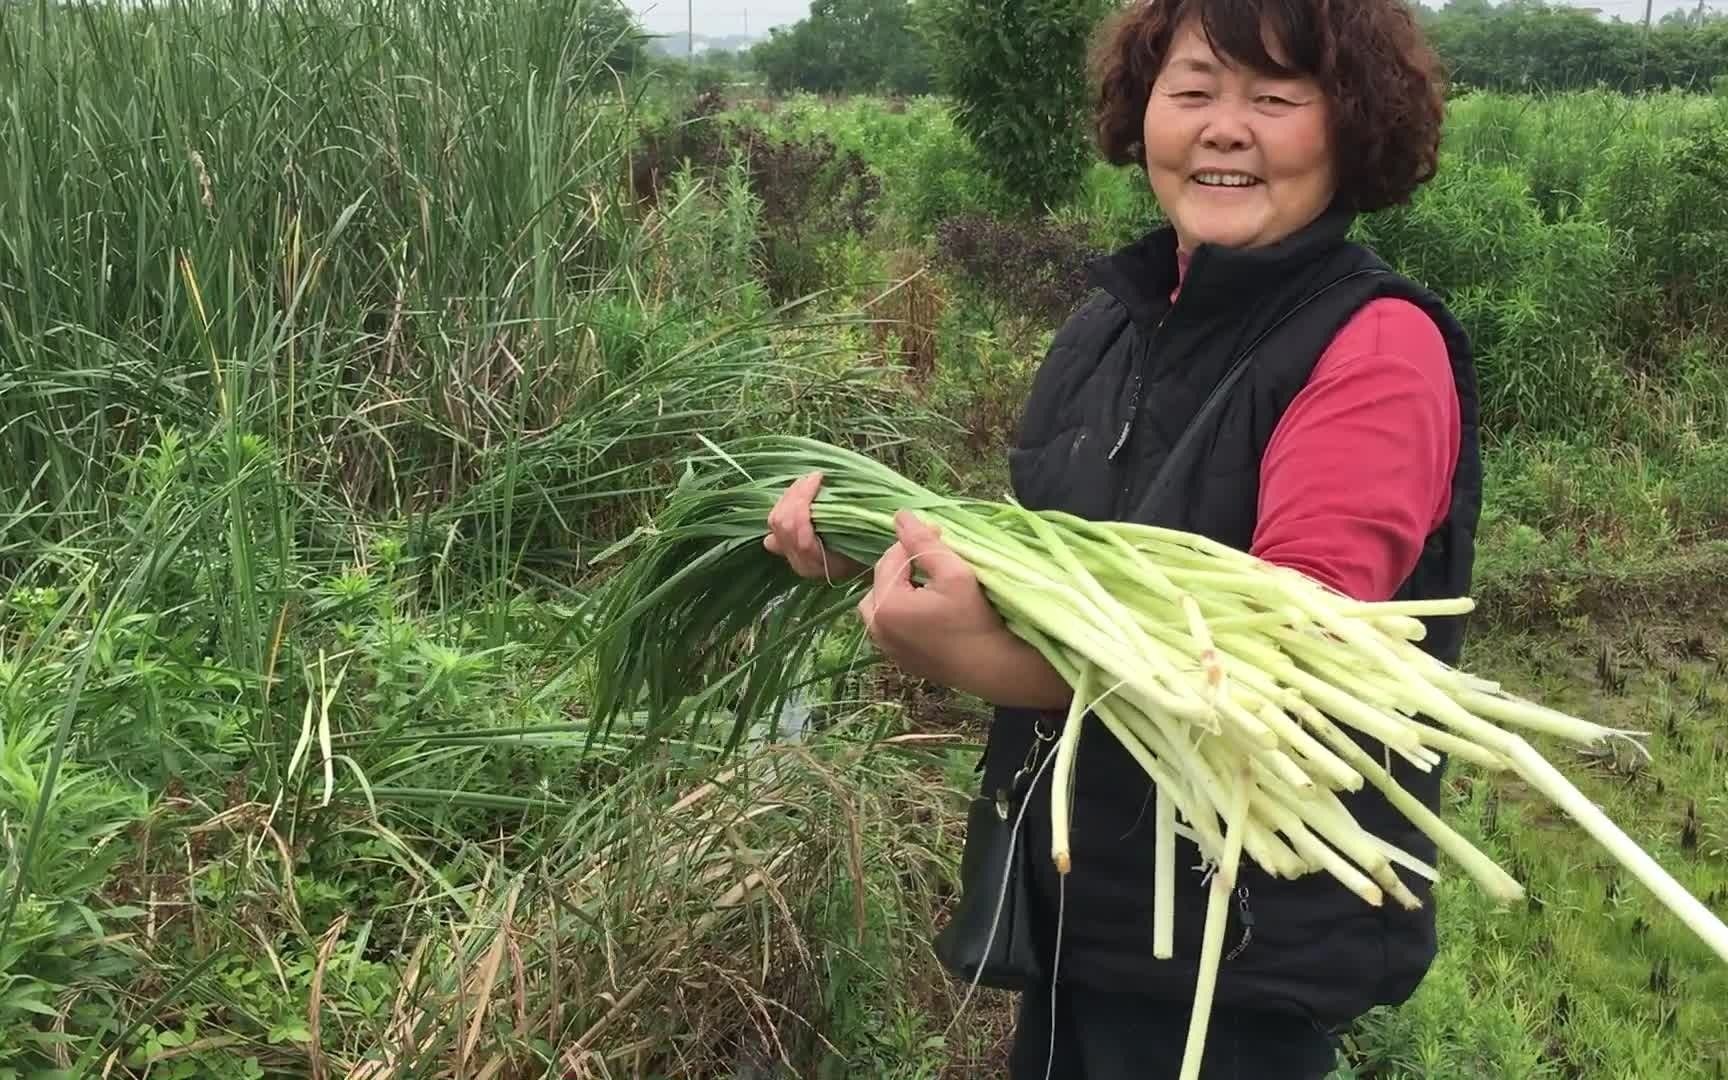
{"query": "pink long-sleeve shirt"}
(1359, 469)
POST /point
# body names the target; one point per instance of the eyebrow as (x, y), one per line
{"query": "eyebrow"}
(1204, 67)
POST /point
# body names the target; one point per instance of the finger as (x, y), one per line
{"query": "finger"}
(797, 494)
(779, 524)
(893, 571)
(780, 541)
(867, 613)
(791, 534)
(924, 544)
(803, 493)
(806, 542)
(803, 567)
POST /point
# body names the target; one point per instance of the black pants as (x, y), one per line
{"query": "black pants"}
(1104, 1036)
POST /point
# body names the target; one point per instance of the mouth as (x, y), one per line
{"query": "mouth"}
(1218, 178)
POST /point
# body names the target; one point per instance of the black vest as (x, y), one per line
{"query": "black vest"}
(1113, 406)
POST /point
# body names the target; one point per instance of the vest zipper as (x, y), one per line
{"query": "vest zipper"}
(1134, 394)
(1127, 432)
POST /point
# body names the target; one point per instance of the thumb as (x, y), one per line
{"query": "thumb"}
(923, 542)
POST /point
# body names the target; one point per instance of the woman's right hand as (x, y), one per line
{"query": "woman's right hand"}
(792, 535)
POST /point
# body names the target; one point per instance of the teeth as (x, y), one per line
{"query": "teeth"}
(1224, 180)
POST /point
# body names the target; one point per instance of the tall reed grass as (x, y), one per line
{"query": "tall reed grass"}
(333, 348)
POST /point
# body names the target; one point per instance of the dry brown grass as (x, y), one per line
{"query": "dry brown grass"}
(707, 930)
(907, 314)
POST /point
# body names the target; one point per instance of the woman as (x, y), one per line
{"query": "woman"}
(1247, 373)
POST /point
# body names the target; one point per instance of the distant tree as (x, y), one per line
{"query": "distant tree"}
(847, 46)
(1529, 45)
(715, 69)
(609, 24)
(1016, 73)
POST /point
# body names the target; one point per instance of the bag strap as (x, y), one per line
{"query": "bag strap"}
(1190, 436)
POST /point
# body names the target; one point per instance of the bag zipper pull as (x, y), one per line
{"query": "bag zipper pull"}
(1247, 922)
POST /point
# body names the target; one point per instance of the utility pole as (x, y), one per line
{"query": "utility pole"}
(690, 29)
(1644, 54)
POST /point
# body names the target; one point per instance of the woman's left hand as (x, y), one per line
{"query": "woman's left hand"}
(943, 630)
(928, 629)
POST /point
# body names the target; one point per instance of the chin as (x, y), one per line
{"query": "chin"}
(1242, 236)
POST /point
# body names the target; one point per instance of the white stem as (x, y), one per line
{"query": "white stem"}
(1164, 878)
(1247, 725)
(1526, 714)
(1402, 627)
(1332, 820)
(1115, 612)
(1548, 780)
(1404, 858)
(1312, 750)
(1463, 749)
(1417, 608)
(1286, 770)
(1496, 882)
(1318, 854)
(1212, 942)
(1062, 784)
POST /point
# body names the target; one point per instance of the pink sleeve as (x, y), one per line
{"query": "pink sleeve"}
(1359, 469)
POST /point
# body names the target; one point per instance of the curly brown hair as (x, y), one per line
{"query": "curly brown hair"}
(1384, 83)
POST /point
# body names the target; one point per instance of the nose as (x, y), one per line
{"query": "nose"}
(1226, 130)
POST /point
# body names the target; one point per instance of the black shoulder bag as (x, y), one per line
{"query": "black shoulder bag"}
(989, 940)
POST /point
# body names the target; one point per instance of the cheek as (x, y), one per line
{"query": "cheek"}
(1304, 157)
(1166, 142)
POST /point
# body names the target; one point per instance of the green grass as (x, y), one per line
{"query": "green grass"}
(333, 349)
(1590, 978)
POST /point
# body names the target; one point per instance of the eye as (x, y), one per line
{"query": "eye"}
(1274, 99)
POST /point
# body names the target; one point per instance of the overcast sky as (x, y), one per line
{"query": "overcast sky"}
(717, 17)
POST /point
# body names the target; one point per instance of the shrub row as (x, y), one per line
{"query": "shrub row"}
(1581, 237)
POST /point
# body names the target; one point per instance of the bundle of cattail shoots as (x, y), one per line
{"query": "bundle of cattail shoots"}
(1230, 680)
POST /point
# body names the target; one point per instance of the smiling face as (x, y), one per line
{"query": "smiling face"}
(1236, 157)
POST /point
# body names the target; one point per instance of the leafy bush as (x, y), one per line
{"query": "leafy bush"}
(1037, 268)
(1016, 74)
(1523, 46)
(1114, 206)
(846, 46)
(1538, 297)
(927, 169)
(1667, 200)
(807, 191)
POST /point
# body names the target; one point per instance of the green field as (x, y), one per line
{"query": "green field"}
(339, 342)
